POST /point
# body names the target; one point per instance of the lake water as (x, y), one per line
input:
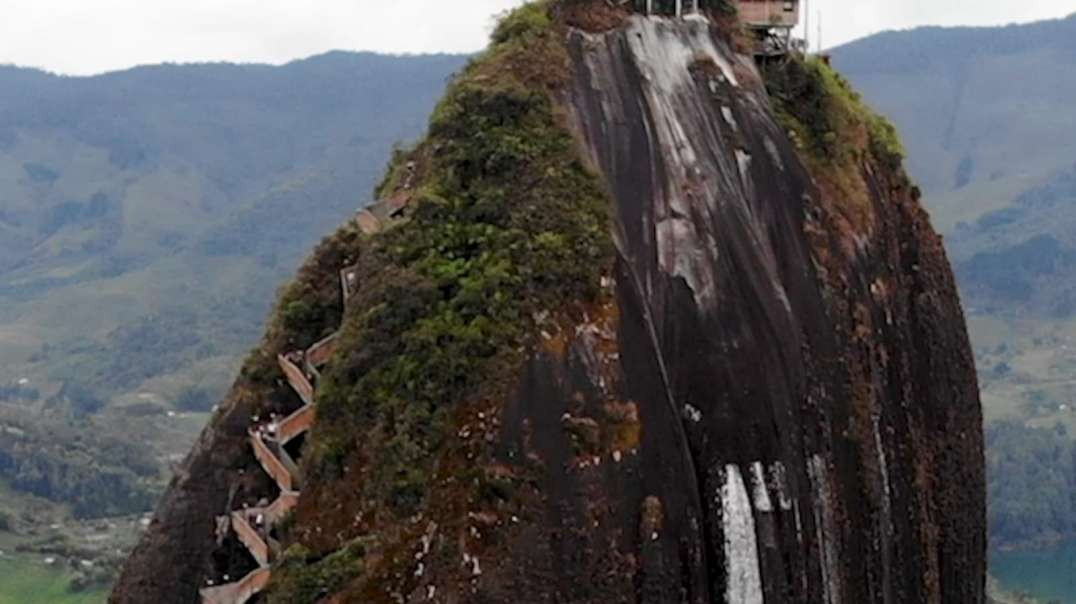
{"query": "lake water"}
(1046, 574)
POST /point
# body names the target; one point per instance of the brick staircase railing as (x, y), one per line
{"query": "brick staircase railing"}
(252, 526)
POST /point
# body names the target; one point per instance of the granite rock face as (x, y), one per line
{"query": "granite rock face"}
(809, 406)
(775, 403)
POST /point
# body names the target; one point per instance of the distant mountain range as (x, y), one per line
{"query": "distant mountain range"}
(147, 218)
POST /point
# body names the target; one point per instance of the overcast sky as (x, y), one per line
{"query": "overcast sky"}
(92, 36)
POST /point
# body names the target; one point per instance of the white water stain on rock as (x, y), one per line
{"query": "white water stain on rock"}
(775, 155)
(826, 528)
(743, 161)
(664, 53)
(726, 113)
(759, 491)
(780, 485)
(744, 583)
(673, 46)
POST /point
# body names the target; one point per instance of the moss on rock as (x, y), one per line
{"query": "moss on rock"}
(301, 578)
(836, 132)
(507, 222)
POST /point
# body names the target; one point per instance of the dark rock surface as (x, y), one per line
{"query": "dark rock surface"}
(823, 413)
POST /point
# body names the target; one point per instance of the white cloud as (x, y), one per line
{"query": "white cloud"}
(81, 37)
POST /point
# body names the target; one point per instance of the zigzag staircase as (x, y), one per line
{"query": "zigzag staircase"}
(253, 526)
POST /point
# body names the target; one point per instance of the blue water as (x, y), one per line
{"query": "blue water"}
(1048, 574)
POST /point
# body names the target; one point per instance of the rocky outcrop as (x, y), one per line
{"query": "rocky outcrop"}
(770, 396)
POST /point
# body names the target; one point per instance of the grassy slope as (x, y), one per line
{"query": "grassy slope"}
(25, 581)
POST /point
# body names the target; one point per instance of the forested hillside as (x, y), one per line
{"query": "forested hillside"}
(147, 218)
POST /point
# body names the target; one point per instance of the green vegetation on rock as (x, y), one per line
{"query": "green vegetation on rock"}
(300, 579)
(506, 229)
(827, 116)
(507, 223)
(836, 132)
